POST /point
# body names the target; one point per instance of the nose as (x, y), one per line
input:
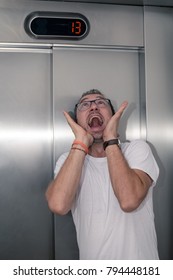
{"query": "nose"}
(93, 106)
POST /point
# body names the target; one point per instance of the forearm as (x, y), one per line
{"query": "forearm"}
(130, 186)
(61, 191)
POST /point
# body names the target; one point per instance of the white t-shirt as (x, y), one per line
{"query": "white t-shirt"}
(104, 230)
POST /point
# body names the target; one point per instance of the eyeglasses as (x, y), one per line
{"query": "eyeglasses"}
(100, 103)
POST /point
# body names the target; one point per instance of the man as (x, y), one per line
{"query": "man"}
(107, 185)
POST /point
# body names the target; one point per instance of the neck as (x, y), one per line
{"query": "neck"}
(96, 150)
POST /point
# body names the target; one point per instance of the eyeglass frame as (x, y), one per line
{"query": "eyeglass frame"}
(94, 100)
(74, 113)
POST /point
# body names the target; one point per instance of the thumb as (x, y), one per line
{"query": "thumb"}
(121, 109)
(77, 130)
(69, 119)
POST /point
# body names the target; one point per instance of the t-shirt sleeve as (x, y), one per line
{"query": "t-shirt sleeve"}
(139, 156)
(59, 163)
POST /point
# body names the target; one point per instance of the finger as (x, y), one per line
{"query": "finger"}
(121, 109)
(123, 106)
(68, 118)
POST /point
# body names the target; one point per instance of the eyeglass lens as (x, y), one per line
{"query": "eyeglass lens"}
(87, 104)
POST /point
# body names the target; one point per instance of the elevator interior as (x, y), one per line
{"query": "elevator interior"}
(127, 54)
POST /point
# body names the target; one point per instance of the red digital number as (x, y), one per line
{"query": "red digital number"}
(76, 27)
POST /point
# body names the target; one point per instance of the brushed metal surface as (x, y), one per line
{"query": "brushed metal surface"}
(164, 3)
(25, 154)
(159, 86)
(109, 24)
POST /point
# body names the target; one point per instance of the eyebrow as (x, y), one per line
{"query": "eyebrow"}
(86, 99)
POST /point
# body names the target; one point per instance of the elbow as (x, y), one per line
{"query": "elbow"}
(131, 203)
(129, 206)
(127, 209)
(56, 206)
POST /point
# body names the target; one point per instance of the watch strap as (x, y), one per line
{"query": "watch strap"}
(111, 142)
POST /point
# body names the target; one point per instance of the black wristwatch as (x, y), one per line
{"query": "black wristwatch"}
(111, 142)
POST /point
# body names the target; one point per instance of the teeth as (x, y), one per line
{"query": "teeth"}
(100, 121)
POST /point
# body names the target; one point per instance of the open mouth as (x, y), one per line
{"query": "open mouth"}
(95, 121)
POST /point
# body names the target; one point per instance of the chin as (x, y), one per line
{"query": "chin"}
(97, 137)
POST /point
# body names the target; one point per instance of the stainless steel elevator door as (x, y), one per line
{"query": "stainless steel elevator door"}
(159, 91)
(25, 154)
(75, 70)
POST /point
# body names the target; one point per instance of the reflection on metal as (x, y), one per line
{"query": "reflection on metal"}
(159, 58)
(142, 95)
(26, 135)
(25, 153)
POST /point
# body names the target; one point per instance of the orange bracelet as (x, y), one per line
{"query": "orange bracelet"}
(77, 142)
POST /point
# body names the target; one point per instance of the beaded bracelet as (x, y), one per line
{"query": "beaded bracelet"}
(78, 149)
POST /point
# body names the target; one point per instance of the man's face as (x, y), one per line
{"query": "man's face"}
(95, 118)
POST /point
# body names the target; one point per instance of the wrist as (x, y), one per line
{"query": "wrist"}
(110, 137)
(111, 142)
(79, 143)
(86, 139)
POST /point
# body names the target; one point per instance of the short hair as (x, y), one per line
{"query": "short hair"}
(89, 92)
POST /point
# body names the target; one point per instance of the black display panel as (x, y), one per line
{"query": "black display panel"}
(56, 25)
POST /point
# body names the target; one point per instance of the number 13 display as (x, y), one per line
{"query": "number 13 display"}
(43, 25)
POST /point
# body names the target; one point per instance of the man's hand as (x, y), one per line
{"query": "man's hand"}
(80, 133)
(111, 130)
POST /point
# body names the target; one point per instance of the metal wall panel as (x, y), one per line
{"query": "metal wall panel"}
(109, 24)
(113, 71)
(25, 154)
(159, 90)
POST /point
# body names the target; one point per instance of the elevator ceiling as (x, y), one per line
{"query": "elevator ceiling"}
(162, 3)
